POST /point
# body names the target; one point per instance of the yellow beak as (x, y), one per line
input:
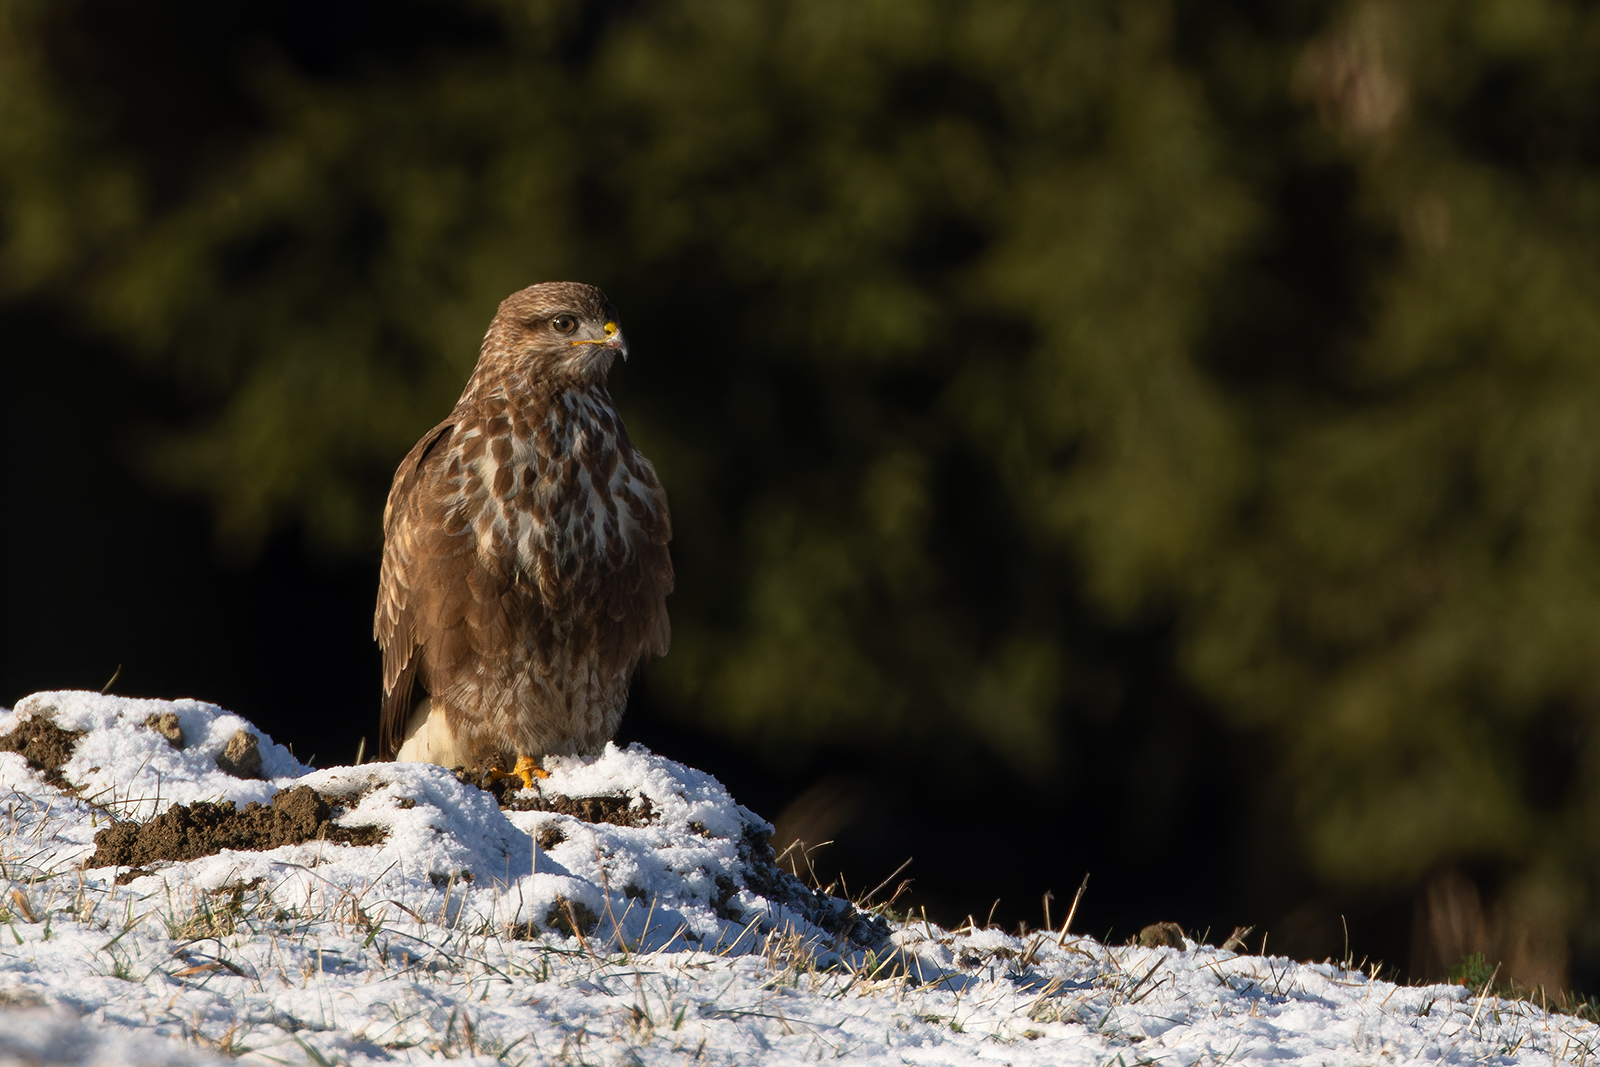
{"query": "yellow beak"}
(612, 339)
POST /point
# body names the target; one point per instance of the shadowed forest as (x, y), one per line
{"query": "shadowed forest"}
(1149, 439)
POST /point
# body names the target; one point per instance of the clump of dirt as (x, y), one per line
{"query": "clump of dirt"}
(618, 809)
(615, 808)
(166, 724)
(726, 890)
(560, 919)
(441, 879)
(488, 781)
(242, 756)
(570, 917)
(1161, 935)
(44, 745)
(189, 831)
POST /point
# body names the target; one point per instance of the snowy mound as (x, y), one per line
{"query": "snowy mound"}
(175, 888)
(631, 848)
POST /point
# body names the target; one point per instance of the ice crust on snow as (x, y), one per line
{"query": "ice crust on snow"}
(437, 942)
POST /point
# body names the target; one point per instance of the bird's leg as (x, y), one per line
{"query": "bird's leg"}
(527, 769)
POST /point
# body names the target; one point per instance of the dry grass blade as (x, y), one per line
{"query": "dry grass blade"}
(1072, 911)
(864, 901)
(24, 905)
(1132, 989)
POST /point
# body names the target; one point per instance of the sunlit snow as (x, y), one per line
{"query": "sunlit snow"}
(534, 937)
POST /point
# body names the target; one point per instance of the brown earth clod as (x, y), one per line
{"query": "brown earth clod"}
(618, 809)
(190, 831)
(46, 746)
(571, 917)
(558, 918)
(726, 890)
(166, 724)
(1161, 935)
(242, 756)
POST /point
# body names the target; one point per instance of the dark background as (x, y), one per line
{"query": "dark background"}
(128, 577)
(1150, 440)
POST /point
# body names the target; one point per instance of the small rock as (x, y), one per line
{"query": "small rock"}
(1161, 935)
(166, 724)
(242, 757)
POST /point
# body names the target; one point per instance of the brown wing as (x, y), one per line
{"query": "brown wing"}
(634, 597)
(409, 583)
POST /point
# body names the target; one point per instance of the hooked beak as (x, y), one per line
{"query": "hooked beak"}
(613, 340)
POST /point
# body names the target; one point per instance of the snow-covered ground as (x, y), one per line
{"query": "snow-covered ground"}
(649, 926)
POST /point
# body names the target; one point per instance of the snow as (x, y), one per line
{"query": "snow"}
(442, 941)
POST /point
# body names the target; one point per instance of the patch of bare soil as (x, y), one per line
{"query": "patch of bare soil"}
(189, 831)
(44, 745)
(565, 916)
(615, 808)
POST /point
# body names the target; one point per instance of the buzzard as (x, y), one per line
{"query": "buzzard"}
(525, 566)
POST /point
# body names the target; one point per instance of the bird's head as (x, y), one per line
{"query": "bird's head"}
(555, 331)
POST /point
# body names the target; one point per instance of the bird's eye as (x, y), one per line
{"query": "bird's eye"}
(563, 324)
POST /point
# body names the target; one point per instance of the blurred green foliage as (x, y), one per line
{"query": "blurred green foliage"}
(1473, 971)
(1282, 320)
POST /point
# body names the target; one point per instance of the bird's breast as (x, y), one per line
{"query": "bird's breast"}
(556, 496)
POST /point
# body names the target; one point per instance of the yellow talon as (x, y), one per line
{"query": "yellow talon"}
(527, 769)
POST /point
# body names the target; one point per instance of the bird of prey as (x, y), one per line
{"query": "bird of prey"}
(525, 566)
